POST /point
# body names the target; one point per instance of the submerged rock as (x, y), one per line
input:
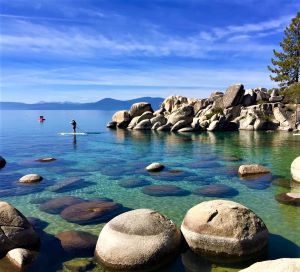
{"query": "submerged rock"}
(49, 159)
(225, 231)
(155, 167)
(91, 212)
(65, 185)
(289, 198)
(2, 162)
(79, 265)
(134, 182)
(16, 231)
(252, 169)
(164, 190)
(77, 243)
(216, 190)
(56, 205)
(30, 178)
(279, 265)
(295, 169)
(138, 240)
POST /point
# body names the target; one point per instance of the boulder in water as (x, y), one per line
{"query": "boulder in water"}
(225, 229)
(155, 167)
(138, 240)
(295, 169)
(252, 169)
(30, 178)
(2, 162)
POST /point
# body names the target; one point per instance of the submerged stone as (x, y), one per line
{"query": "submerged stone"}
(289, 198)
(216, 190)
(134, 182)
(91, 212)
(46, 159)
(155, 167)
(79, 265)
(164, 190)
(138, 240)
(257, 182)
(77, 243)
(65, 185)
(224, 231)
(56, 205)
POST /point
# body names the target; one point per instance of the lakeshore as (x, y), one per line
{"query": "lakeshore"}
(108, 162)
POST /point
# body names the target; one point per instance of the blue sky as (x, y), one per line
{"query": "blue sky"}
(72, 50)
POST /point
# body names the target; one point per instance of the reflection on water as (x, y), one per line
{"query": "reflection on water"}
(194, 163)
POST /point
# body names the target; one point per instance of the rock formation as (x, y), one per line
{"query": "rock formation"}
(236, 108)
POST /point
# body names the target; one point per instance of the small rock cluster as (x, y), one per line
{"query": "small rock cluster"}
(237, 108)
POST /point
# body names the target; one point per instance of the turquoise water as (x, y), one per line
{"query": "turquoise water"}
(105, 159)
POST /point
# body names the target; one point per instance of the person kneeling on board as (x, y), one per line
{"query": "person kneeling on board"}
(74, 124)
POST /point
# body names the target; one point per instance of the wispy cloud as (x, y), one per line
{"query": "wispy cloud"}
(25, 36)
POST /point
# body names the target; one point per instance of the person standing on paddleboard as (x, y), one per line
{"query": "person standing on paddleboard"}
(74, 124)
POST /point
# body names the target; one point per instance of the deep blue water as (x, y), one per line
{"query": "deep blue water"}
(107, 160)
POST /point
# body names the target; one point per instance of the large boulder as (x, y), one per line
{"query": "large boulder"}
(295, 169)
(181, 124)
(159, 118)
(224, 229)
(233, 95)
(143, 125)
(139, 108)
(252, 169)
(279, 265)
(140, 240)
(16, 231)
(122, 118)
(183, 113)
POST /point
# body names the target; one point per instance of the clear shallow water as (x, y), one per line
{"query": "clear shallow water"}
(103, 160)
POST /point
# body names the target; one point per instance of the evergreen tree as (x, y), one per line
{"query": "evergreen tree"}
(286, 64)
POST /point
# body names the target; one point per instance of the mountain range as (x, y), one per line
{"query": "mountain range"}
(104, 104)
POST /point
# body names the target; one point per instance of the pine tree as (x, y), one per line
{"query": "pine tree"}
(287, 63)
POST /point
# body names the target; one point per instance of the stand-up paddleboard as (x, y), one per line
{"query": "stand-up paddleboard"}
(72, 133)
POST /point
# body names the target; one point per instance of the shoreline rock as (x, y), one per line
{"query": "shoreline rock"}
(235, 109)
(295, 169)
(252, 169)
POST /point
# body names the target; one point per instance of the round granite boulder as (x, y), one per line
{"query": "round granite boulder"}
(224, 231)
(279, 265)
(16, 231)
(295, 169)
(2, 162)
(289, 198)
(56, 205)
(30, 178)
(91, 212)
(164, 190)
(155, 167)
(77, 243)
(216, 190)
(140, 240)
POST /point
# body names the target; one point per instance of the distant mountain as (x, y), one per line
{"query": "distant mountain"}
(104, 104)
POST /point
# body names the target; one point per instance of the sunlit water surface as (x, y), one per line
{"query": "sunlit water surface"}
(105, 159)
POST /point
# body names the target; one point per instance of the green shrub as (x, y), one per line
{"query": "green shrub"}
(292, 93)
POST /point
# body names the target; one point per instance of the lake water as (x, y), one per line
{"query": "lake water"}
(105, 159)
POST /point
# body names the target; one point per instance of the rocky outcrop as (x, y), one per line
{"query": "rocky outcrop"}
(138, 240)
(279, 265)
(16, 231)
(295, 169)
(253, 109)
(21, 257)
(224, 229)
